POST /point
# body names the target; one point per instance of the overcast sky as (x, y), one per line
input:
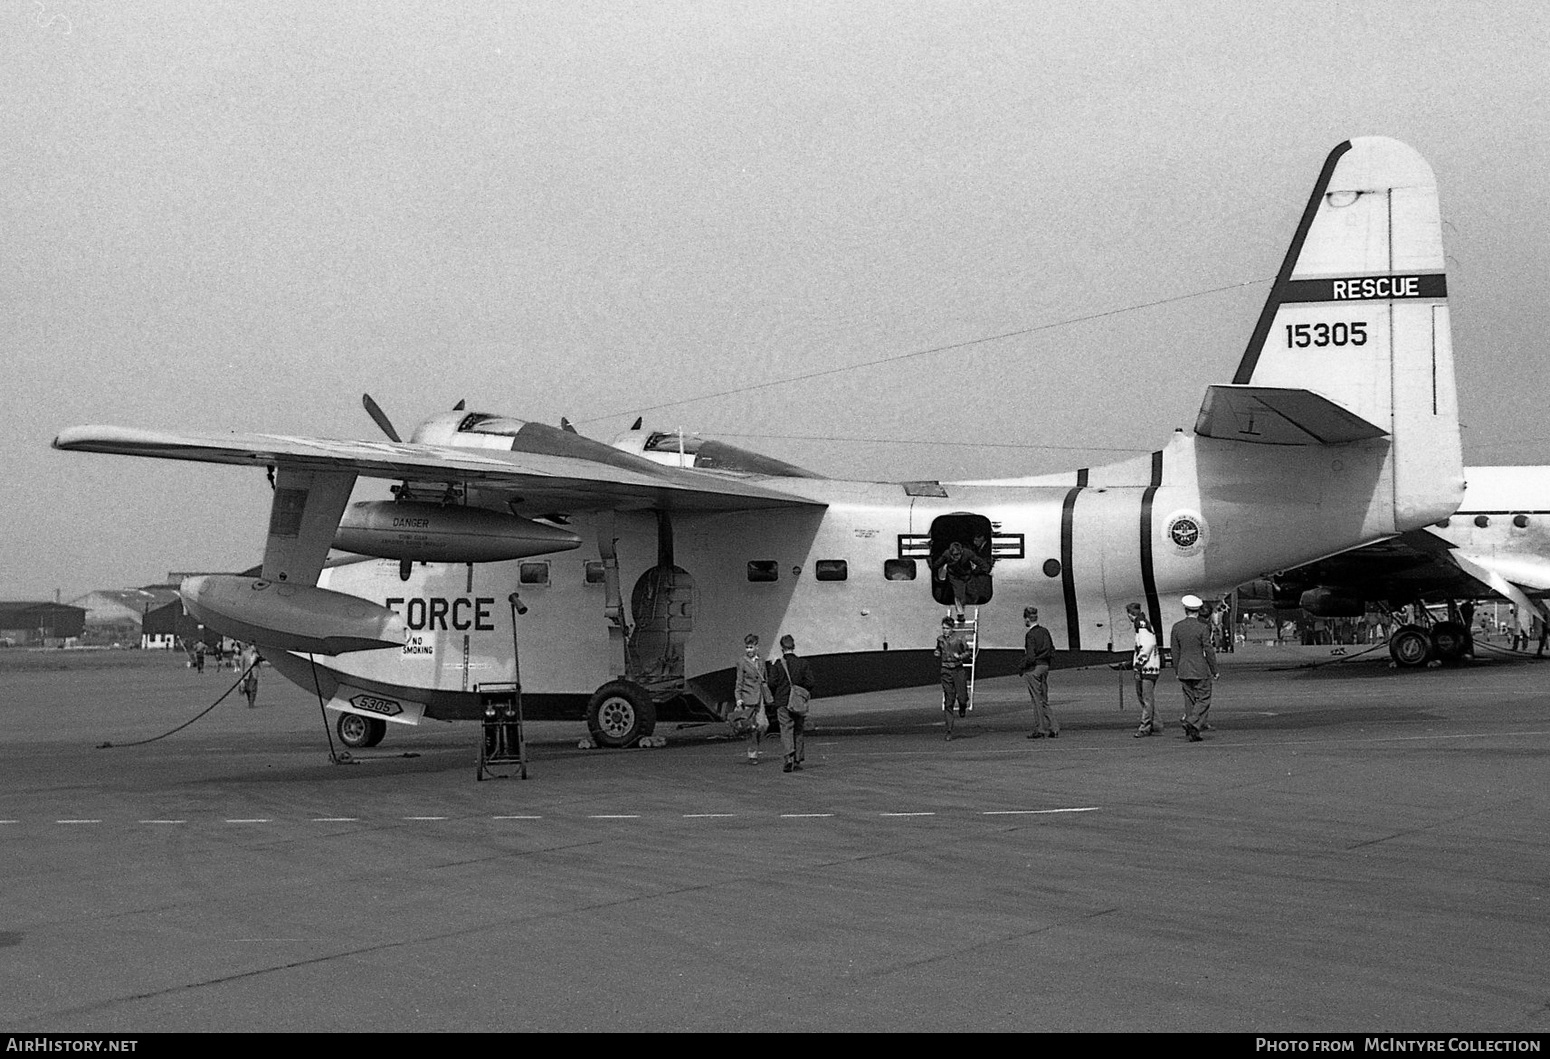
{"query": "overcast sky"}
(239, 216)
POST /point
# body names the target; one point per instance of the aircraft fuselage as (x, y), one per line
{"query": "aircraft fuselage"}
(838, 577)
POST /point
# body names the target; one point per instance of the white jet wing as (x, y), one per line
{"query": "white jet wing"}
(566, 483)
(1509, 577)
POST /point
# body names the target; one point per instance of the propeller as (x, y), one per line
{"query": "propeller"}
(379, 417)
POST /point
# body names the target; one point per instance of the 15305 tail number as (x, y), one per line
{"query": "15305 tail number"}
(1300, 336)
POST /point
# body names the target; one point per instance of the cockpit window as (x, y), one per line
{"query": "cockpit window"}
(485, 423)
(665, 441)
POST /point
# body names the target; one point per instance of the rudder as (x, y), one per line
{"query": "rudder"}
(1358, 315)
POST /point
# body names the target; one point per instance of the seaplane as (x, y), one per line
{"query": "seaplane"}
(1496, 545)
(615, 581)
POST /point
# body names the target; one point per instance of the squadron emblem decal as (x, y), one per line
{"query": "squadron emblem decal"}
(1186, 532)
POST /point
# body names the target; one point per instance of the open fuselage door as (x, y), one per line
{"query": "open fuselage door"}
(960, 551)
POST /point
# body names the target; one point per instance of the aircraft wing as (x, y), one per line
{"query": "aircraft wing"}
(560, 482)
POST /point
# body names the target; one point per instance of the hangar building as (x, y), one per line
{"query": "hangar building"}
(31, 624)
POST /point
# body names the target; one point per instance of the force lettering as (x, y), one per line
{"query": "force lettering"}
(437, 612)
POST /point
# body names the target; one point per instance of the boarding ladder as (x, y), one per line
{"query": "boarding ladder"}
(971, 632)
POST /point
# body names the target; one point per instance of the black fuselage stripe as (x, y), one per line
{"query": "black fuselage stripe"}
(1267, 315)
(1148, 573)
(1067, 578)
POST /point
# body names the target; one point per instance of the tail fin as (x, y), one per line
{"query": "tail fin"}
(1358, 316)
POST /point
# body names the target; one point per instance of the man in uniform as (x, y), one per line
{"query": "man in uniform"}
(1038, 653)
(1194, 663)
(954, 651)
(1147, 663)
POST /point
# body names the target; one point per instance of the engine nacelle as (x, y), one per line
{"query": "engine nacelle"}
(290, 617)
(439, 533)
(1328, 603)
(673, 449)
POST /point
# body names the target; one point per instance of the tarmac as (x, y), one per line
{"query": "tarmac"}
(1352, 849)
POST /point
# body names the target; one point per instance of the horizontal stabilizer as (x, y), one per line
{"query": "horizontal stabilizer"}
(1271, 415)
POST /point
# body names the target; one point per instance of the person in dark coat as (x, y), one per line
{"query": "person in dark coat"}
(784, 672)
(752, 694)
(959, 565)
(954, 652)
(1038, 653)
(1194, 663)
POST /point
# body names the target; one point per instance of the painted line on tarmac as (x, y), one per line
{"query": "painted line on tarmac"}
(1038, 812)
(1239, 740)
(884, 814)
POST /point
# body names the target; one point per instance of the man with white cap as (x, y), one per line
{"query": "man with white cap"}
(1194, 663)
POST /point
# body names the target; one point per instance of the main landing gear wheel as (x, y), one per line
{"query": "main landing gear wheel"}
(619, 713)
(1410, 647)
(358, 732)
(1450, 640)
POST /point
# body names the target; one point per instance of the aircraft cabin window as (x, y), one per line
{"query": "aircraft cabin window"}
(899, 569)
(1520, 521)
(594, 571)
(1051, 567)
(763, 570)
(1482, 521)
(1445, 523)
(832, 570)
(533, 573)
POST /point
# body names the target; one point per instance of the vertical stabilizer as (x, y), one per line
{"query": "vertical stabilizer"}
(1359, 316)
